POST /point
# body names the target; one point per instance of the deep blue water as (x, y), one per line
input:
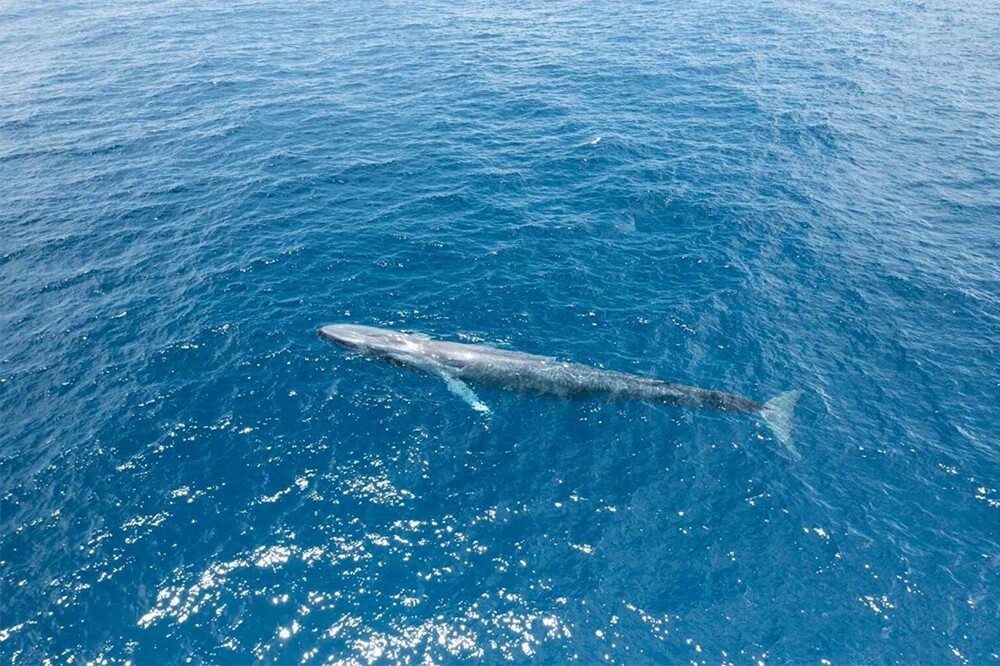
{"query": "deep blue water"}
(747, 196)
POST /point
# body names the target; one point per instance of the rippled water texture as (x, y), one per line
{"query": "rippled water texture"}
(747, 196)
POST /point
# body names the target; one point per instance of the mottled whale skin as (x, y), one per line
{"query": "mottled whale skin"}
(517, 371)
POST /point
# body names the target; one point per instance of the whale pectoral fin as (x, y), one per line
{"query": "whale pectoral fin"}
(462, 390)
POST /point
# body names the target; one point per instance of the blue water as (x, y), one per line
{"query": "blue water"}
(749, 196)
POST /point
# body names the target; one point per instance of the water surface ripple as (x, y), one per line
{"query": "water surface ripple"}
(747, 196)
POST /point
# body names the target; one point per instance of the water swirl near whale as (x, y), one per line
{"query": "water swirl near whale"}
(458, 363)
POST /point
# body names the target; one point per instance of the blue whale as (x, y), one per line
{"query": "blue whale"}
(458, 363)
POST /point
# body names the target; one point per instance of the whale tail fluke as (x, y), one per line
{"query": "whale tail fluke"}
(777, 414)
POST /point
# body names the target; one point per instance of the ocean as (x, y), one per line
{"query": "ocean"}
(751, 197)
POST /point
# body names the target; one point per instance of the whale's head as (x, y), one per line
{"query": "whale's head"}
(367, 339)
(355, 337)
